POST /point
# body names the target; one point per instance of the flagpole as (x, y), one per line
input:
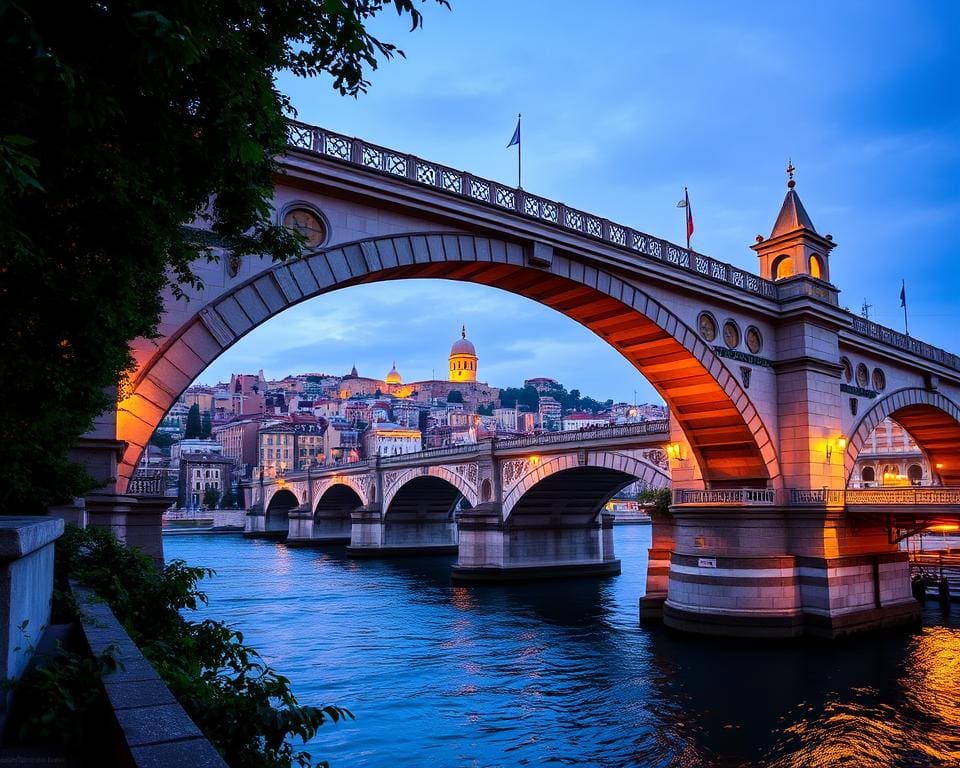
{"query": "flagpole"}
(519, 152)
(686, 216)
(903, 303)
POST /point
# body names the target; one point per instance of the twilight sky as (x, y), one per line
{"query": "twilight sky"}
(623, 107)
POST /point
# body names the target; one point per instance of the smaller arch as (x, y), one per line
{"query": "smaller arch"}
(650, 475)
(278, 508)
(915, 474)
(441, 473)
(868, 475)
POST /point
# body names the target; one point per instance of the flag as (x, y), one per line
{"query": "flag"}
(903, 293)
(516, 135)
(685, 203)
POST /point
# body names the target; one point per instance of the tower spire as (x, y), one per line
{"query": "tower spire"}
(463, 331)
(790, 169)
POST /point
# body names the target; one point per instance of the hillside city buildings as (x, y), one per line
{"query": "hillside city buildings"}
(261, 427)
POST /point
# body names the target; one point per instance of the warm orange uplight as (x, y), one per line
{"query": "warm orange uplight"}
(839, 444)
(676, 451)
(534, 460)
(938, 465)
(944, 528)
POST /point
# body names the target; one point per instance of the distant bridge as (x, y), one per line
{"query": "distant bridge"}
(529, 506)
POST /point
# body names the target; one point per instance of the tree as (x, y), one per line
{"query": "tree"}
(120, 125)
(528, 398)
(228, 499)
(194, 428)
(454, 396)
(206, 426)
(162, 440)
(210, 498)
(485, 410)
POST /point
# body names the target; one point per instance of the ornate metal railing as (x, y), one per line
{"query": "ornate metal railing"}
(431, 453)
(487, 192)
(660, 427)
(903, 496)
(796, 497)
(740, 496)
(863, 327)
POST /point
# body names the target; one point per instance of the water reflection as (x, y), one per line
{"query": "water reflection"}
(561, 672)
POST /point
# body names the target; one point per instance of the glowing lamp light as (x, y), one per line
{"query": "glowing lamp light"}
(534, 460)
(944, 528)
(676, 451)
(839, 444)
(939, 465)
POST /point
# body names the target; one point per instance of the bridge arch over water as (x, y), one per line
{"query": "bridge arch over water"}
(729, 440)
(931, 418)
(585, 482)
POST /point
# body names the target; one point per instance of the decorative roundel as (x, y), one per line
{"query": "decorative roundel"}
(731, 334)
(754, 340)
(863, 376)
(879, 380)
(707, 326)
(308, 224)
(847, 369)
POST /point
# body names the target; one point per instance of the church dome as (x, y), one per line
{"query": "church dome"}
(463, 347)
(394, 376)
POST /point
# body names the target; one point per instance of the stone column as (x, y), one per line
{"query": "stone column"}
(658, 566)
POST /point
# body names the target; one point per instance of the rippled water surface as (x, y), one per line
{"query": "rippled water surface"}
(561, 672)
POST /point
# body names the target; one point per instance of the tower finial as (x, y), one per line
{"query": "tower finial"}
(790, 169)
(463, 331)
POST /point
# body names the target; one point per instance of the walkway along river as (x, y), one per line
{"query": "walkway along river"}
(561, 672)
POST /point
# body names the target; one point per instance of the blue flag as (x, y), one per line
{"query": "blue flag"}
(516, 135)
(903, 294)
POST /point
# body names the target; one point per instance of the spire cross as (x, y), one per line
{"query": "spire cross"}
(463, 331)
(790, 169)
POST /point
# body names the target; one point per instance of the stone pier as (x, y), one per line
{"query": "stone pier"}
(535, 548)
(400, 534)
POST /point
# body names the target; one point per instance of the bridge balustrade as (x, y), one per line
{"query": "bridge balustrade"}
(798, 497)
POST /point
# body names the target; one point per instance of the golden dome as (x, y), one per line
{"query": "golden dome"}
(394, 376)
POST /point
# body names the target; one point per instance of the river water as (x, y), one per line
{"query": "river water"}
(561, 673)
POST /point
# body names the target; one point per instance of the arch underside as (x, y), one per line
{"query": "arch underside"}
(280, 504)
(423, 497)
(338, 501)
(572, 497)
(726, 435)
(932, 420)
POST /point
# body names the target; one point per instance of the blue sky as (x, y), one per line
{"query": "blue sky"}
(624, 104)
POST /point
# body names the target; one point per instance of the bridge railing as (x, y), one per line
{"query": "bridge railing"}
(738, 496)
(431, 453)
(416, 170)
(659, 427)
(796, 497)
(419, 171)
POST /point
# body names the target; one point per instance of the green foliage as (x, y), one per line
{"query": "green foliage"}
(659, 499)
(485, 410)
(162, 440)
(193, 427)
(122, 123)
(210, 498)
(243, 706)
(56, 697)
(228, 500)
(206, 426)
(455, 396)
(528, 398)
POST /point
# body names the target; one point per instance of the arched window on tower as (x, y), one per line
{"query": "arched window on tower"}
(782, 267)
(816, 268)
(868, 475)
(915, 474)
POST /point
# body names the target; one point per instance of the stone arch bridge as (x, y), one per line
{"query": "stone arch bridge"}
(523, 507)
(771, 385)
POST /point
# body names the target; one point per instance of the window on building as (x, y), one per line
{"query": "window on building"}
(915, 473)
(868, 475)
(782, 267)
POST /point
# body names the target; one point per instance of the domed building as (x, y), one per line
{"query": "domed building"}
(463, 359)
(394, 376)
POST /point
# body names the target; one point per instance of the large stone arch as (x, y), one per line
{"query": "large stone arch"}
(932, 419)
(280, 503)
(640, 469)
(393, 485)
(729, 440)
